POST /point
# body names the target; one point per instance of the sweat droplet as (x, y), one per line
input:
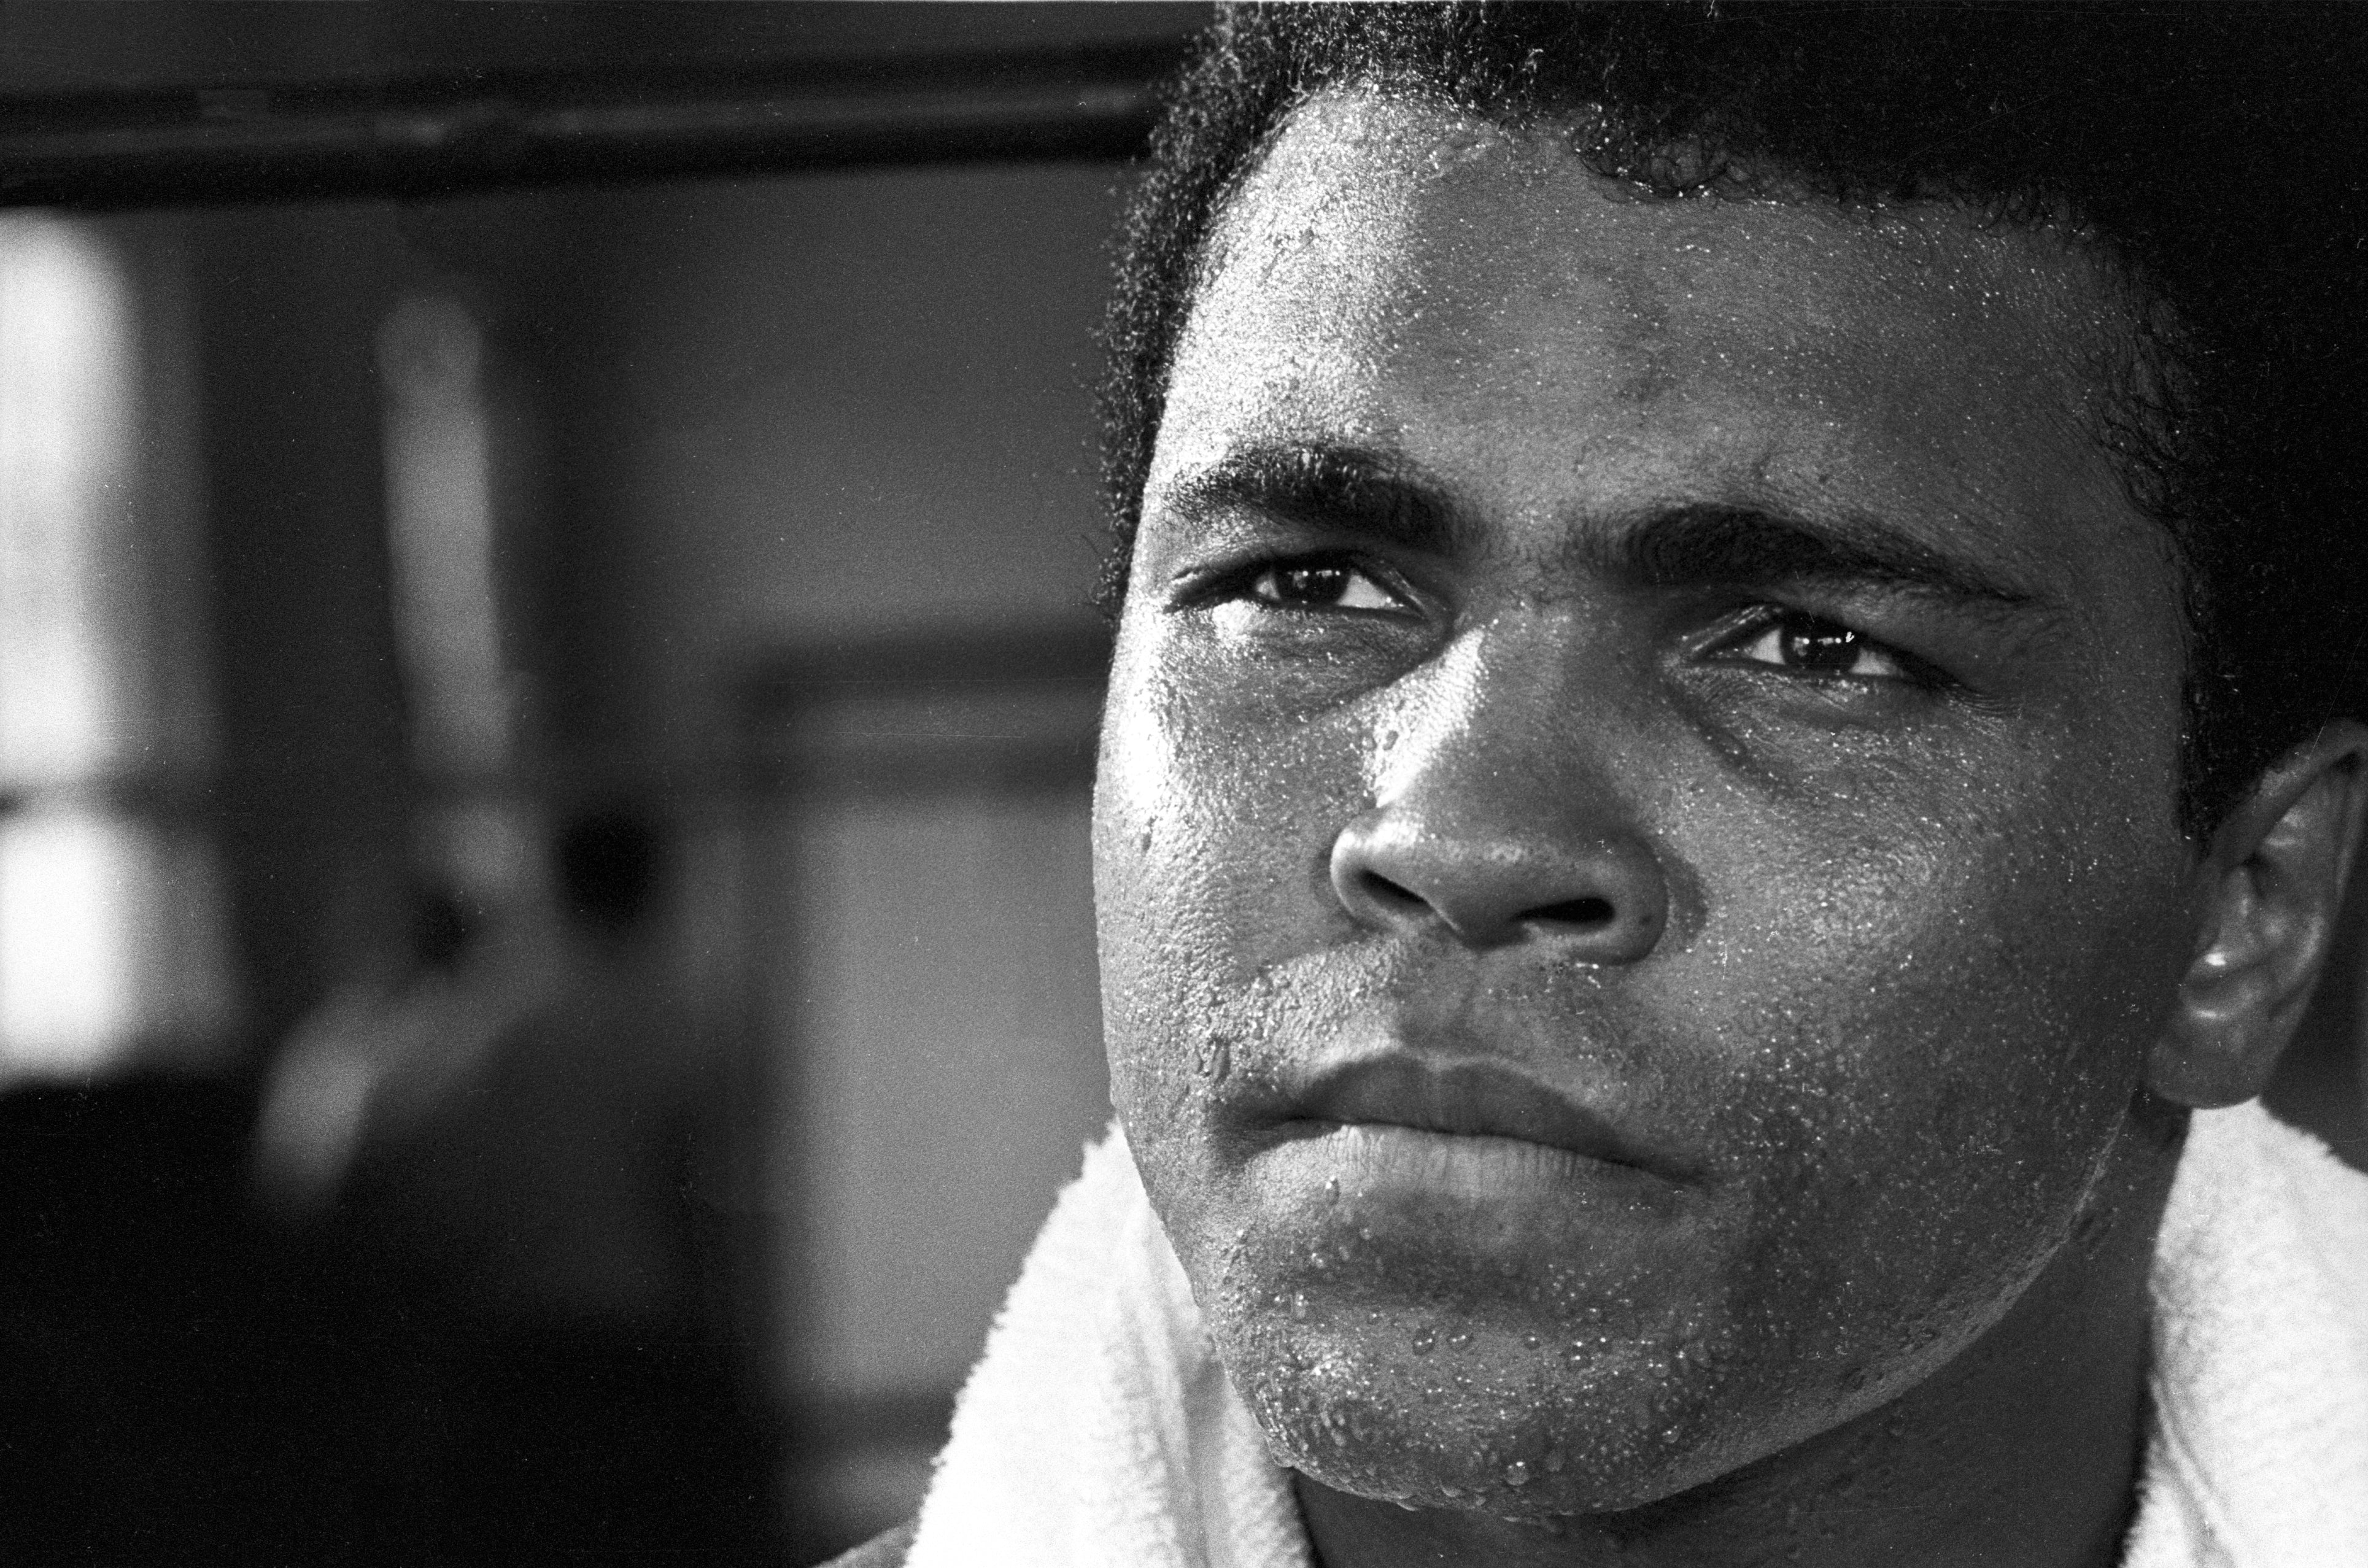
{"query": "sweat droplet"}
(1459, 1339)
(1516, 1474)
(1332, 1187)
(1299, 1304)
(1424, 1339)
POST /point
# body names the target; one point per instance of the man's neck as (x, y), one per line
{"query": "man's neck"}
(2024, 1449)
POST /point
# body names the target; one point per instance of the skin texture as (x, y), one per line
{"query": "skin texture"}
(1645, 939)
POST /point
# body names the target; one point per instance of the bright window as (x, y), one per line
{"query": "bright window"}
(112, 932)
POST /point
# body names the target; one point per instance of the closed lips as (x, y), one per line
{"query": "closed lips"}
(1477, 1099)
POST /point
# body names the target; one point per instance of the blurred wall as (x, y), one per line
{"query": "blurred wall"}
(732, 419)
(833, 410)
(822, 407)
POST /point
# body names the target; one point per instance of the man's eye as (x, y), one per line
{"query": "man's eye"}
(1811, 646)
(1320, 585)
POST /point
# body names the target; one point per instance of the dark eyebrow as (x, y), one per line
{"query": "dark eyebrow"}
(1703, 546)
(1391, 500)
(1341, 489)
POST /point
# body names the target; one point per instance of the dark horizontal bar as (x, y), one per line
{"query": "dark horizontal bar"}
(176, 799)
(422, 138)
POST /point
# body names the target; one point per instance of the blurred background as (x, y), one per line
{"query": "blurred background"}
(547, 693)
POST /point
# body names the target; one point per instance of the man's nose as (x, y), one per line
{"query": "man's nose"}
(1598, 902)
(1496, 850)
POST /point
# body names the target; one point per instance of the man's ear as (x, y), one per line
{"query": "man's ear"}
(2273, 882)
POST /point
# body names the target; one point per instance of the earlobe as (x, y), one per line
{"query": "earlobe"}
(2275, 875)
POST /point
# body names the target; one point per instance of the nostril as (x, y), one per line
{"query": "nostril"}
(1587, 912)
(1589, 899)
(1389, 894)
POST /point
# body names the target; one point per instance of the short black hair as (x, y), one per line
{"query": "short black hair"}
(2215, 157)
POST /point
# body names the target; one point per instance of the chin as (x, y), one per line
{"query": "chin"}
(1504, 1422)
(1530, 1408)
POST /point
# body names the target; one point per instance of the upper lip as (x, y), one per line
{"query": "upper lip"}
(1473, 1098)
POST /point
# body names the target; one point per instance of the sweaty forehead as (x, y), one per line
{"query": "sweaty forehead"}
(1397, 272)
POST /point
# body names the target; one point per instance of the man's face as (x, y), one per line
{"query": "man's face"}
(1635, 843)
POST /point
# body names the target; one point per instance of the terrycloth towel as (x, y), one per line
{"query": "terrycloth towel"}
(1099, 1430)
(2258, 1457)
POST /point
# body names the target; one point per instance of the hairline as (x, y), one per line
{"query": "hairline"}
(2134, 366)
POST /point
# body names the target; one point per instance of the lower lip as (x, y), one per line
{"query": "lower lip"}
(1381, 1161)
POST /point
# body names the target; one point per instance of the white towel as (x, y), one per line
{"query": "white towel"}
(1099, 1430)
(2258, 1456)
